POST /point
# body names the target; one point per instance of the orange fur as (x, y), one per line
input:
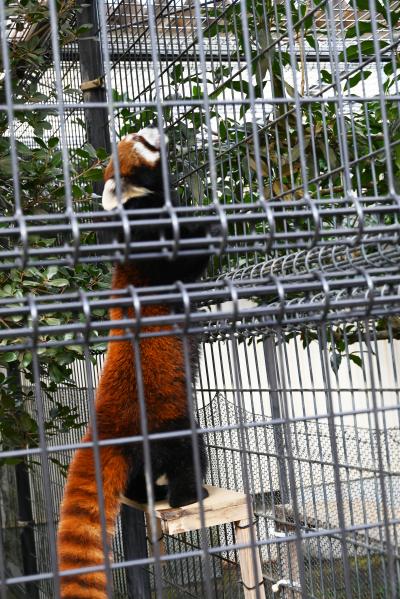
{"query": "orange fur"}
(117, 415)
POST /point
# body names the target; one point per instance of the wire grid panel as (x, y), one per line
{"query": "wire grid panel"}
(282, 120)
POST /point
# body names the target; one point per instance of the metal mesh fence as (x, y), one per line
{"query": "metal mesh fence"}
(283, 169)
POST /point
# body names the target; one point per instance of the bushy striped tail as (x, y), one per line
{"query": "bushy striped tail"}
(79, 532)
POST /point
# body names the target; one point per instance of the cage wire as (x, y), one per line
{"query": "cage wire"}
(284, 136)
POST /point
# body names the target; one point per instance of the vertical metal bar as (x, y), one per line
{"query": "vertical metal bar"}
(242, 435)
(148, 471)
(195, 440)
(3, 573)
(271, 368)
(383, 482)
(34, 315)
(95, 447)
(152, 20)
(25, 517)
(384, 121)
(299, 556)
(335, 459)
(55, 48)
(18, 214)
(102, 20)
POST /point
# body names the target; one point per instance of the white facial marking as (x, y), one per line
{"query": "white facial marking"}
(110, 200)
(149, 156)
(151, 135)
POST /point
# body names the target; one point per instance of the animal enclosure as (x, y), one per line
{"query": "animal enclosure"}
(283, 125)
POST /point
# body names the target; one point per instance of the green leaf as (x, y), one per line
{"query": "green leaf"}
(8, 357)
(77, 191)
(56, 374)
(311, 40)
(197, 92)
(176, 74)
(51, 271)
(356, 359)
(360, 4)
(94, 174)
(326, 76)
(82, 153)
(6, 166)
(26, 422)
(53, 142)
(52, 321)
(90, 149)
(84, 28)
(76, 348)
(242, 87)
(358, 76)
(358, 29)
(40, 142)
(366, 48)
(59, 282)
(27, 359)
(66, 359)
(17, 318)
(23, 149)
(394, 17)
(388, 69)
(101, 154)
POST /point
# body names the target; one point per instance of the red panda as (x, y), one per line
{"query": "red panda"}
(117, 405)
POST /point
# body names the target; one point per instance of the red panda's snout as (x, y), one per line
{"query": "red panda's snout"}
(138, 153)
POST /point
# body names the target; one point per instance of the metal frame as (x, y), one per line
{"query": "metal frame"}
(298, 263)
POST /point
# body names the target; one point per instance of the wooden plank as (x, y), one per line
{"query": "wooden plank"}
(220, 507)
(249, 560)
(159, 536)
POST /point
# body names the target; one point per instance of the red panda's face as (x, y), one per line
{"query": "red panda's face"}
(139, 167)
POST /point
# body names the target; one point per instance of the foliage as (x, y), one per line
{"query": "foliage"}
(291, 165)
(288, 168)
(42, 190)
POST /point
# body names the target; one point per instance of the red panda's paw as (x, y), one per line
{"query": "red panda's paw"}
(179, 497)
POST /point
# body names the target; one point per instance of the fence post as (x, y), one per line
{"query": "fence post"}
(25, 522)
(135, 547)
(92, 74)
(271, 365)
(24, 514)
(92, 86)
